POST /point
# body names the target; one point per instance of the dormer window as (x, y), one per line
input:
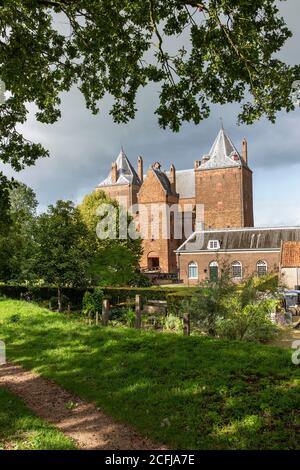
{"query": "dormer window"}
(213, 245)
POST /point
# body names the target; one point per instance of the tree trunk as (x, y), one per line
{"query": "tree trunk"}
(59, 300)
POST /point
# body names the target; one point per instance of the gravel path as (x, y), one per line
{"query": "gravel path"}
(77, 419)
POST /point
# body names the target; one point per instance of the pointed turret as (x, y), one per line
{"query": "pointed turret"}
(222, 154)
(122, 172)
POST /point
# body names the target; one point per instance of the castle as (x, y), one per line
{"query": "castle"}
(221, 182)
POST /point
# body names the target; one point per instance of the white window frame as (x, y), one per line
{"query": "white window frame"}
(237, 264)
(261, 264)
(193, 265)
(213, 245)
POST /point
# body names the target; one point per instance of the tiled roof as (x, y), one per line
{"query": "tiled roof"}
(290, 254)
(126, 174)
(242, 239)
(223, 154)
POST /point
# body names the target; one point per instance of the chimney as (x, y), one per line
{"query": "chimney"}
(245, 151)
(140, 169)
(114, 172)
(196, 164)
(172, 178)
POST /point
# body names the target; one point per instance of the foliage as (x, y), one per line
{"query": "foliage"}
(250, 321)
(20, 429)
(172, 323)
(119, 47)
(129, 318)
(92, 302)
(209, 302)
(16, 242)
(235, 312)
(61, 257)
(115, 261)
(248, 393)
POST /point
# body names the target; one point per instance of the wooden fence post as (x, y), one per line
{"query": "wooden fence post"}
(186, 324)
(138, 311)
(105, 312)
(97, 318)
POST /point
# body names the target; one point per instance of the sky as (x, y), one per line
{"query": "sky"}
(82, 146)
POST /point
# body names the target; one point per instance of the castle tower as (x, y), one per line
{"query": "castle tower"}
(122, 183)
(224, 185)
(157, 195)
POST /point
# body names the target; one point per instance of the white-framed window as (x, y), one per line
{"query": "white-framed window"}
(193, 270)
(261, 268)
(213, 245)
(236, 270)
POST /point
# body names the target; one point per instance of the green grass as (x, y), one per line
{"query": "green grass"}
(20, 429)
(186, 392)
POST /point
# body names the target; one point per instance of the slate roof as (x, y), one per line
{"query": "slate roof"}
(185, 183)
(164, 180)
(223, 154)
(290, 254)
(241, 239)
(126, 174)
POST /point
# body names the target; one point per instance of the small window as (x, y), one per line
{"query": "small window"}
(193, 270)
(213, 245)
(261, 268)
(236, 269)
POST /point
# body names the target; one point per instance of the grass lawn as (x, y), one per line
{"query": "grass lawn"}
(186, 392)
(20, 429)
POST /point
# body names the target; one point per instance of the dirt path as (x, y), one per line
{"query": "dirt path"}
(89, 427)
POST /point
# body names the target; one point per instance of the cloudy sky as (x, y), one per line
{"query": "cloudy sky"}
(83, 146)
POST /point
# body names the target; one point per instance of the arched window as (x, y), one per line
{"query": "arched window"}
(261, 268)
(193, 270)
(213, 271)
(236, 269)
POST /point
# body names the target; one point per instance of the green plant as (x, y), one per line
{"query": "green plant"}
(129, 318)
(172, 323)
(251, 322)
(92, 303)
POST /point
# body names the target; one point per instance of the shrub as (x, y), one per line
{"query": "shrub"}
(129, 318)
(251, 322)
(92, 302)
(172, 323)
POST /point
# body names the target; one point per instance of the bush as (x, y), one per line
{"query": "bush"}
(251, 322)
(172, 323)
(92, 303)
(129, 318)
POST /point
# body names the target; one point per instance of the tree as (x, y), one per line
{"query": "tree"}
(61, 257)
(16, 243)
(118, 47)
(115, 261)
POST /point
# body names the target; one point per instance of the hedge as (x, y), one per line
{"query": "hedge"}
(116, 295)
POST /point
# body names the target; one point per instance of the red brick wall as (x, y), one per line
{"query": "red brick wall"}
(248, 261)
(227, 197)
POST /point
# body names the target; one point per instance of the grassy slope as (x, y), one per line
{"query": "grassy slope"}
(20, 429)
(192, 393)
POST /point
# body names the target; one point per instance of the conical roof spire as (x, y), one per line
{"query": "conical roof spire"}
(125, 172)
(222, 154)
